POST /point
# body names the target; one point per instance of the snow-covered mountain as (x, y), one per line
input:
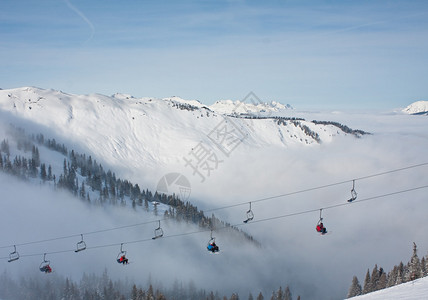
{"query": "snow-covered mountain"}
(145, 133)
(414, 290)
(417, 108)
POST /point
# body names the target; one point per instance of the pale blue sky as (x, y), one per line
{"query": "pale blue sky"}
(310, 54)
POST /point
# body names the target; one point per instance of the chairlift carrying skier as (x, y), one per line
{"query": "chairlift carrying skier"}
(212, 246)
(320, 226)
(122, 260)
(121, 257)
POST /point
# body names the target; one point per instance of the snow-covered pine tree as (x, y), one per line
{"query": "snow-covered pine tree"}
(280, 294)
(374, 278)
(355, 288)
(426, 265)
(383, 279)
(287, 294)
(234, 297)
(35, 155)
(400, 274)
(367, 283)
(392, 277)
(134, 292)
(423, 267)
(5, 147)
(414, 270)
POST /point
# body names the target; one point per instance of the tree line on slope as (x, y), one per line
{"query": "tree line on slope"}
(104, 186)
(401, 273)
(93, 287)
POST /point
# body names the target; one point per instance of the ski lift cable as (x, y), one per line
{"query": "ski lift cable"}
(220, 208)
(224, 207)
(113, 245)
(318, 187)
(334, 206)
(235, 225)
(259, 200)
(77, 235)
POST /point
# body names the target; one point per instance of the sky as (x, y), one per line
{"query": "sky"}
(310, 54)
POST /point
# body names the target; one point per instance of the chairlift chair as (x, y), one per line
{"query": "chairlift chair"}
(45, 265)
(13, 255)
(353, 192)
(80, 245)
(322, 230)
(121, 254)
(158, 232)
(250, 215)
(211, 246)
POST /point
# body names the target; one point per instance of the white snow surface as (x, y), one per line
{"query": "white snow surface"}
(417, 107)
(252, 107)
(145, 133)
(414, 290)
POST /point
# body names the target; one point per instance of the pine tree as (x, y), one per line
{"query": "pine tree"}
(35, 156)
(260, 296)
(141, 294)
(43, 174)
(50, 172)
(287, 294)
(279, 294)
(423, 267)
(82, 191)
(367, 283)
(5, 147)
(392, 277)
(382, 281)
(234, 297)
(415, 270)
(355, 288)
(426, 265)
(150, 295)
(400, 274)
(374, 278)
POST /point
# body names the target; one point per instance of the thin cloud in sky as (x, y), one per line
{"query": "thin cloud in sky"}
(82, 15)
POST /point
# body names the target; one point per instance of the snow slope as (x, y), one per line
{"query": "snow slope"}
(143, 134)
(414, 290)
(419, 107)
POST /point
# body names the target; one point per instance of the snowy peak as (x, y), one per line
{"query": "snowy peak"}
(179, 101)
(417, 108)
(123, 96)
(237, 107)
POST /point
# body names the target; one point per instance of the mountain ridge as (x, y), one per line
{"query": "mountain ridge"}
(140, 135)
